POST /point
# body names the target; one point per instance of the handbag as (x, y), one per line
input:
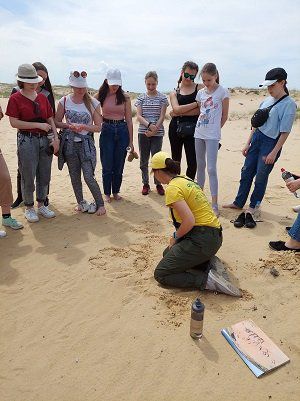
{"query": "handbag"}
(261, 115)
(185, 129)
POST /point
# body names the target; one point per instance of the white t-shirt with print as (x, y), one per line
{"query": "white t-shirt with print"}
(78, 113)
(209, 121)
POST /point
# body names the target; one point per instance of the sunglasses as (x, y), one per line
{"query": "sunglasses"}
(191, 76)
(77, 74)
(36, 108)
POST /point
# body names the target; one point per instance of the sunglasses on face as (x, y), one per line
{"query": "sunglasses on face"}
(191, 76)
(77, 74)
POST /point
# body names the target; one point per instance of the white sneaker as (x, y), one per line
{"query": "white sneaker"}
(46, 212)
(2, 234)
(216, 282)
(31, 216)
(296, 209)
(84, 206)
(92, 208)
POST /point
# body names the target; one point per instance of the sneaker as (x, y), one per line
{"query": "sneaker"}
(146, 189)
(215, 209)
(31, 216)
(12, 223)
(160, 189)
(240, 220)
(83, 206)
(296, 209)
(46, 212)
(17, 202)
(92, 208)
(280, 246)
(2, 234)
(249, 221)
(216, 282)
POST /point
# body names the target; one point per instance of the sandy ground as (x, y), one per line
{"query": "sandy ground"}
(82, 318)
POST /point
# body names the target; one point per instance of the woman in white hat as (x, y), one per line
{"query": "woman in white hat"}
(197, 236)
(82, 118)
(264, 145)
(45, 88)
(31, 113)
(116, 134)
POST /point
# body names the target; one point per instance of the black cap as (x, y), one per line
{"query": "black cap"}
(276, 74)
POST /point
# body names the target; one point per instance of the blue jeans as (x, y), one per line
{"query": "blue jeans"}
(255, 166)
(294, 232)
(113, 142)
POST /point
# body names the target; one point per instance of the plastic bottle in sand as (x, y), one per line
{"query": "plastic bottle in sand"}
(197, 315)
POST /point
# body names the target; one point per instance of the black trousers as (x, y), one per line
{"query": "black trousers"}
(177, 144)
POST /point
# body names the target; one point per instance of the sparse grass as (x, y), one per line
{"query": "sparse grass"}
(297, 114)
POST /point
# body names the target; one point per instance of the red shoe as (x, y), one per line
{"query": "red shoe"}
(146, 189)
(160, 189)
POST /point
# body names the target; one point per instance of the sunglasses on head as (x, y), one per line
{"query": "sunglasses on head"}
(191, 76)
(77, 74)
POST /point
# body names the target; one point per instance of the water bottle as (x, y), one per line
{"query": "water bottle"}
(197, 315)
(288, 177)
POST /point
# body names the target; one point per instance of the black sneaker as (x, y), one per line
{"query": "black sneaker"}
(240, 221)
(288, 228)
(280, 246)
(249, 221)
(17, 202)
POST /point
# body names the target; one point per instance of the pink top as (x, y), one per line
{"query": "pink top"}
(111, 110)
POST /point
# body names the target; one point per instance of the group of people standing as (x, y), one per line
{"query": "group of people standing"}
(199, 111)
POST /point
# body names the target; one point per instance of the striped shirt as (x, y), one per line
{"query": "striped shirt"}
(151, 109)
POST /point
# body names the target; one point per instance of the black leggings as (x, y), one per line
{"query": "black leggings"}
(189, 147)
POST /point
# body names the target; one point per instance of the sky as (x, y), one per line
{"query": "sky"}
(244, 39)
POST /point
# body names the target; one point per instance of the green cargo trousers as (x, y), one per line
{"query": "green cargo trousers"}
(185, 264)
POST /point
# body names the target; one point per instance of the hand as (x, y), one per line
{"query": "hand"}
(55, 144)
(173, 114)
(245, 150)
(76, 127)
(270, 158)
(153, 128)
(44, 127)
(148, 133)
(172, 242)
(293, 185)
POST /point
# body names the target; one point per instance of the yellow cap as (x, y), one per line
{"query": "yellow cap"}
(158, 161)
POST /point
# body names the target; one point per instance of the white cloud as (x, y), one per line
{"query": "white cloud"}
(244, 39)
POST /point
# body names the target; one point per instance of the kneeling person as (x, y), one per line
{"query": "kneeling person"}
(198, 234)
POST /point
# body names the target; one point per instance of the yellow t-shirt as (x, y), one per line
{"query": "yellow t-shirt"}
(181, 188)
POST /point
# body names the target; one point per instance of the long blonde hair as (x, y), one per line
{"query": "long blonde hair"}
(87, 100)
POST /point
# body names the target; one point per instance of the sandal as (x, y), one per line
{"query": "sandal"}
(280, 246)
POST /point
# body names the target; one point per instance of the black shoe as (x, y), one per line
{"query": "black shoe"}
(249, 221)
(280, 246)
(240, 221)
(17, 202)
(288, 228)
